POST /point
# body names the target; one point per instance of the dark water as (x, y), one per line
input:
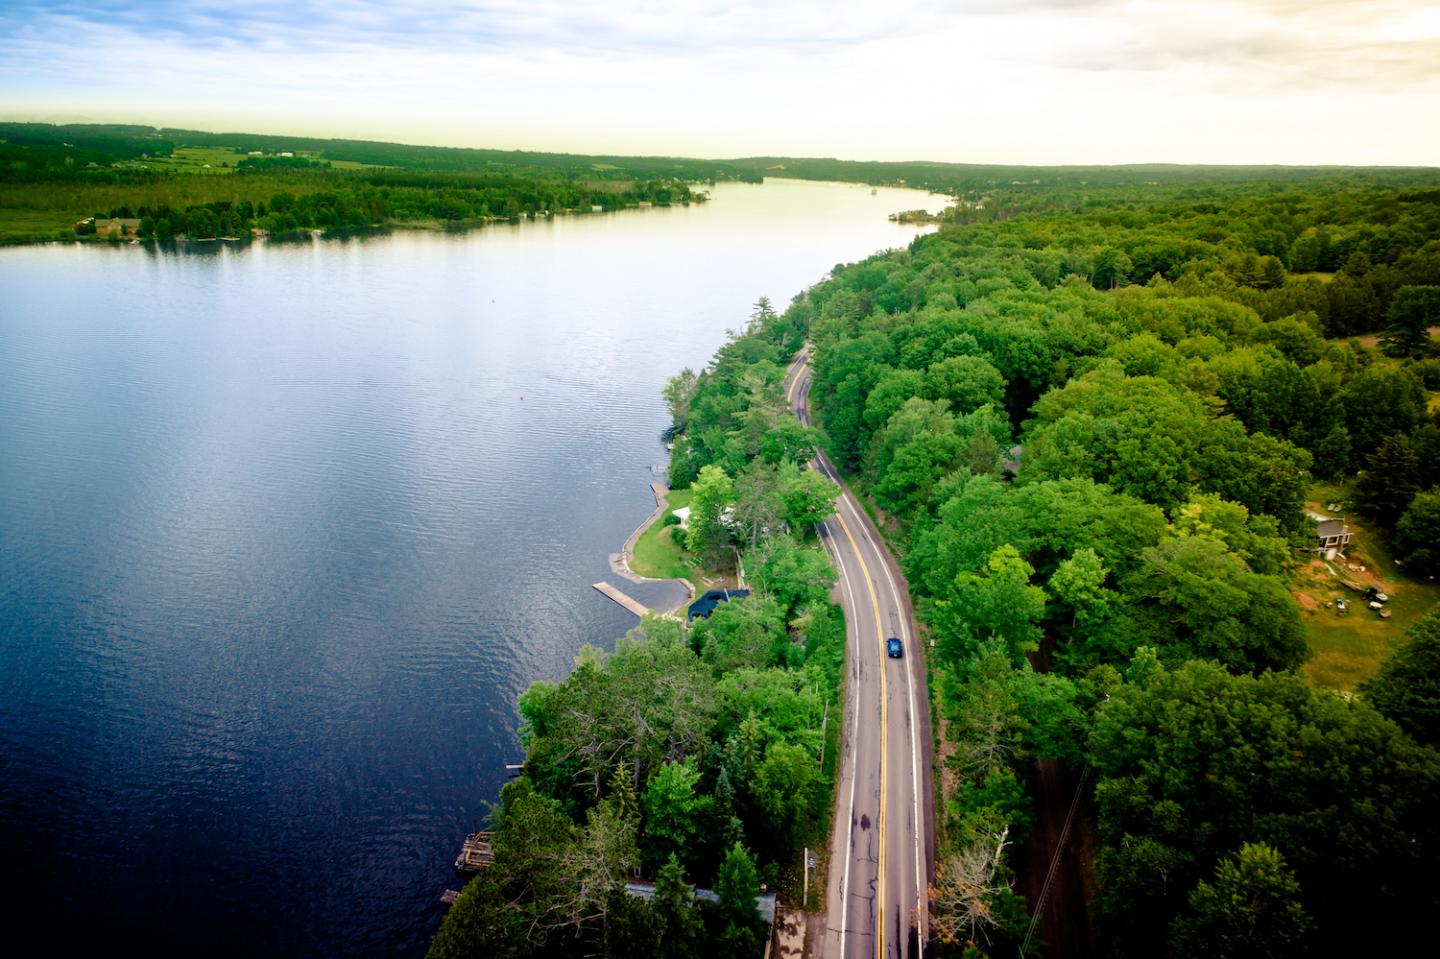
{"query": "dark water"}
(280, 542)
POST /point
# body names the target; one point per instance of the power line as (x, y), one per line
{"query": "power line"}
(1054, 861)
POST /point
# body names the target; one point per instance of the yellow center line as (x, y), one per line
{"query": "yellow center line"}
(884, 696)
(884, 739)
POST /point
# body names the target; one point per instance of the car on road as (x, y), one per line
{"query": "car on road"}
(893, 649)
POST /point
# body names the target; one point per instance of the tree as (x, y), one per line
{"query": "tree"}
(1112, 269)
(1413, 310)
(594, 868)
(712, 492)
(795, 575)
(1380, 403)
(744, 632)
(1252, 910)
(967, 887)
(674, 908)
(784, 789)
(1389, 482)
(809, 496)
(1079, 582)
(1192, 597)
(679, 391)
(1193, 763)
(966, 383)
(1407, 688)
(1417, 534)
(759, 508)
(738, 885)
(997, 603)
(674, 812)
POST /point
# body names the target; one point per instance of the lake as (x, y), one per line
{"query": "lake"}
(286, 527)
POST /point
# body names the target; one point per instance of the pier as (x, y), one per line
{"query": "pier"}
(475, 853)
(633, 605)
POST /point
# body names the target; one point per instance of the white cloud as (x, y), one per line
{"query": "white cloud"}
(978, 80)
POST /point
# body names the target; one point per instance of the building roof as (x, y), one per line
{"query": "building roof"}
(706, 604)
(765, 902)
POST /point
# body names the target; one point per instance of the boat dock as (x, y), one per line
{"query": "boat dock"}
(475, 853)
(633, 605)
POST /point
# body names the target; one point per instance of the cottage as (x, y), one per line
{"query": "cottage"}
(117, 226)
(1332, 536)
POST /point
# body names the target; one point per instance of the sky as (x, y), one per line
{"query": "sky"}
(977, 81)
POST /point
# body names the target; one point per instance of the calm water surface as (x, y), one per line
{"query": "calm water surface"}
(284, 529)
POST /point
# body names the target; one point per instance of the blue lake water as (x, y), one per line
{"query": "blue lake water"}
(284, 529)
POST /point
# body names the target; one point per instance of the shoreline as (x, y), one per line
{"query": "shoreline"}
(620, 562)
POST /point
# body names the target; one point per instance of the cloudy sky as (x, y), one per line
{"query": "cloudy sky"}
(1026, 81)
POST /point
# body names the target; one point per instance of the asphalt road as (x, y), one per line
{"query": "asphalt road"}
(882, 845)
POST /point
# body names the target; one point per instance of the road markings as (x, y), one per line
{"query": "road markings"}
(884, 739)
(921, 912)
(796, 369)
(850, 829)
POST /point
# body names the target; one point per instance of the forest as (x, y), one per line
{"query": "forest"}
(54, 178)
(1091, 432)
(1094, 431)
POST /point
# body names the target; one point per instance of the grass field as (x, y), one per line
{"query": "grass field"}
(203, 160)
(1349, 649)
(657, 554)
(29, 226)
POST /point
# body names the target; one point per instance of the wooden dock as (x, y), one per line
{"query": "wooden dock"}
(475, 853)
(634, 606)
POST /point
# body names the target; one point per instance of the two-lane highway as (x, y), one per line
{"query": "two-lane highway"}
(881, 845)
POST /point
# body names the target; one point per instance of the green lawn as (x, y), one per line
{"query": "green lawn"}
(1349, 649)
(657, 554)
(28, 226)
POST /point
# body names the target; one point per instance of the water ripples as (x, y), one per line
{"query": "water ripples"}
(280, 542)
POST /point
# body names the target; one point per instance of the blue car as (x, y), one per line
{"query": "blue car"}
(893, 649)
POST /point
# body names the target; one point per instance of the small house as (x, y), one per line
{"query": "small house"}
(117, 226)
(1332, 536)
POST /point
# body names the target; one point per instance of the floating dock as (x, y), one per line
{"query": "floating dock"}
(475, 853)
(633, 605)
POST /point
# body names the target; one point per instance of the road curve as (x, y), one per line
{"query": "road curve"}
(882, 843)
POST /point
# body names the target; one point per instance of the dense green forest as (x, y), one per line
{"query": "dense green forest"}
(180, 183)
(1094, 428)
(1095, 431)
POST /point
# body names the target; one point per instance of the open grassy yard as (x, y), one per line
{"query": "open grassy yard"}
(657, 553)
(1349, 649)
